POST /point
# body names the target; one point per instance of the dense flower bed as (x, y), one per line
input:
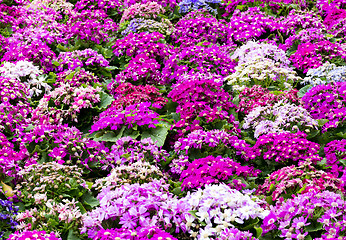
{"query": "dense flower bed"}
(172, 119)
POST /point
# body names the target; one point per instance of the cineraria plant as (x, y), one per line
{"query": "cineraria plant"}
(13, 91)
(149, 10)
(214, 170)
(61, 144)
(68, 104)
(29, 74)
(133, 120)
(136, 206)
(141, 70)
(252, 24)
(236, 234)
(217, 207)
(199, 59)
(327, 102)
(202, 91)
(335, 153)
(76, 78)
(281, 117)
(290, 181)
(127, 150)
(199, 144)
(137, 25)
(88, 59)
(140, 172)
(145, 233)
(14, 119)
(150, 44)
(193, 5)
(64, 218)
(263, 51)
(40, 182)
(9, 159)
(325, 74)
(256, 96)
(311, 215)
(297, 20)
(127, 94)
(91, 26)
(8, 212)
(263, 72)
(33, 235)
(312, 55)
(199, 26)
(274, 150)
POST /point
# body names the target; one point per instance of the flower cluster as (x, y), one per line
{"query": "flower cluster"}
(290, 181)
(12, 91)
(281, 117)
(199, 59)
(312, 55)
(264, 72)
(76, 78)
(128, 151)
(199, 26)
(33, 235)
(215, 143)
(138, 25)
(91, 25)
(327, 102)
(251, 24)
(87, 59)
(217, 207)
(115, 118)
(335, 152)
(285, 149)
(320, 215)
(145, 10)
(7, 216)
(127, 94)
(234, 233)
(253, 50)
(135, 205)
(137, 172)
(67, 104)
(187, 5)
(61, 144)
(41, 182)
(213, 170)
(145, 233)
(325, 74)
(257, 96)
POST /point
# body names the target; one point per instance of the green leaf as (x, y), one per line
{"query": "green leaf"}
(303, 90)
(157, 134)
(193, 213)
(71, 236)
(111, 136)
(106, 100)
(314, 227)
(70, 76)
(259, 232)
(90, 199)
(313, 133)
(321, 122)
(107, 53)
(177, 191)
(81, 208)
(341, 134)
(55, 63)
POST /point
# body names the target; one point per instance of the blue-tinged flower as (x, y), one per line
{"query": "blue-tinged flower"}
(187, 5)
